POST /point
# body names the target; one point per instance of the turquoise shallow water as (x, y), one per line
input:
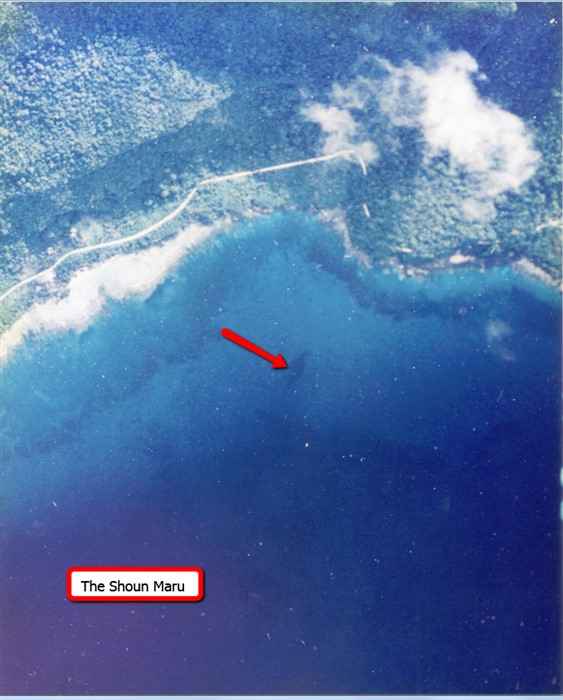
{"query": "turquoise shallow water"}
(381, 517)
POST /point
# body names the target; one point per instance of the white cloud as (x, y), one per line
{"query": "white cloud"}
(337, 122)
(352, 96)
(486, 141)
(487, 144)
(135, 274)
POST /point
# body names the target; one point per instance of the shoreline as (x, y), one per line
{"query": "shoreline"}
(32, 314)
(48, 272)
(336, 220)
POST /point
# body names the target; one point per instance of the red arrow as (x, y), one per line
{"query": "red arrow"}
(277, 361)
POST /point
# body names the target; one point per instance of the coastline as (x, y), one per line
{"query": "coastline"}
(88, 288)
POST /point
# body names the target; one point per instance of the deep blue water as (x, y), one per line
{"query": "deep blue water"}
(381, 517)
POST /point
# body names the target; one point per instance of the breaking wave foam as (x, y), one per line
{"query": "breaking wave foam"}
(137, 274)
(89, 290)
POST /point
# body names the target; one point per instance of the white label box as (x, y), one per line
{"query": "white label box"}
(97, 584)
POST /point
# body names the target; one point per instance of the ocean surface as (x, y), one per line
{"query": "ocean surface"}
(381, 517)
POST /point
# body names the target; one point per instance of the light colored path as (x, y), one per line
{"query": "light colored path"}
(77, 252)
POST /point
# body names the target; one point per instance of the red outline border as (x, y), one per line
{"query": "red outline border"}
(136, 598)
